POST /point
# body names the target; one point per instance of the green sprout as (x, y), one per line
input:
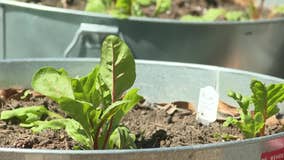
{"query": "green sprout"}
(95, 103)
(265, 100)
(126, 8)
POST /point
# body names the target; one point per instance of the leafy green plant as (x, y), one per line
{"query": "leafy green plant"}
(265, 100)
(95, 103)
(278, 10)
(125, 8)
(236, 16)
(214, 14)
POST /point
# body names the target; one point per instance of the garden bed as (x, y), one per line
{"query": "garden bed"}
(155, 125)
(181, 8)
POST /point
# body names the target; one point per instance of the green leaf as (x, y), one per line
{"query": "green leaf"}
(241, 100)
(230, 121)
(247, 126)
(104, 92)
(252, 126)
(136, 9)
(117, 65)
(213, 14)
(53, 83)
(278, 9)
(144, 2)
(275, 95)
(95, 117)
(96, 6)
(85, 88)
(39, 126)
(79, 111)
(77, 133)
(258, 122)
(265, 98)
(123, 6)
(259, 97)
(121, 138)
(25, 114)
(162, 6)
(72, 128)
(132, 98)
(235, 15)
(112, 110)
(26, 94)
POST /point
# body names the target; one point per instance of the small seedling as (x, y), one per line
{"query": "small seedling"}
(265, 100)
(27, 93)
(96, 103)
(225, 136)
(126, 8)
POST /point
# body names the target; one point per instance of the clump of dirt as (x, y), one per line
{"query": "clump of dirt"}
(154, 127)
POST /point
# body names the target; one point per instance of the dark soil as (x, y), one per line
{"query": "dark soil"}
(157, 128)
(154, 126)
(178, 9)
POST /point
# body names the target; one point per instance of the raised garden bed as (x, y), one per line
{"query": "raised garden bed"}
(173, 124)
(240, 45)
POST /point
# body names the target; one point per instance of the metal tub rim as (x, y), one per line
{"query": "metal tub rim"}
(137, 19)
(147, 150)
(142, 61)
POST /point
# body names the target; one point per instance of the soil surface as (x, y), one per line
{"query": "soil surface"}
(154, 126)
(178, 9)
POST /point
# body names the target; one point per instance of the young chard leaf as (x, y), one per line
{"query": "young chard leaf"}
(241, 100)
(117, 66)
(265, 100)
(213, 14)
(72, 128)
(136, 9)
(85, 88)
(79, 111)
(259, 97)
(28, 114)
(96, 6)
(275, 95)
(162, 6)
(144, 2)
(26, 94)
(132, 98)
(121, 138)
(124, 6)
(235, 16)
(53, 83)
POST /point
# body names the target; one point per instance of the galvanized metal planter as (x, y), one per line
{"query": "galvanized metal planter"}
(28, 30)
(159, 82)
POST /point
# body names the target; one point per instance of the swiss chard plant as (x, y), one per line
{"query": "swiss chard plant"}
(264, 99)
(125, 8)
(94, 104)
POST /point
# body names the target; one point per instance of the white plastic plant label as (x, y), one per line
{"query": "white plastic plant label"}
(207, 105)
